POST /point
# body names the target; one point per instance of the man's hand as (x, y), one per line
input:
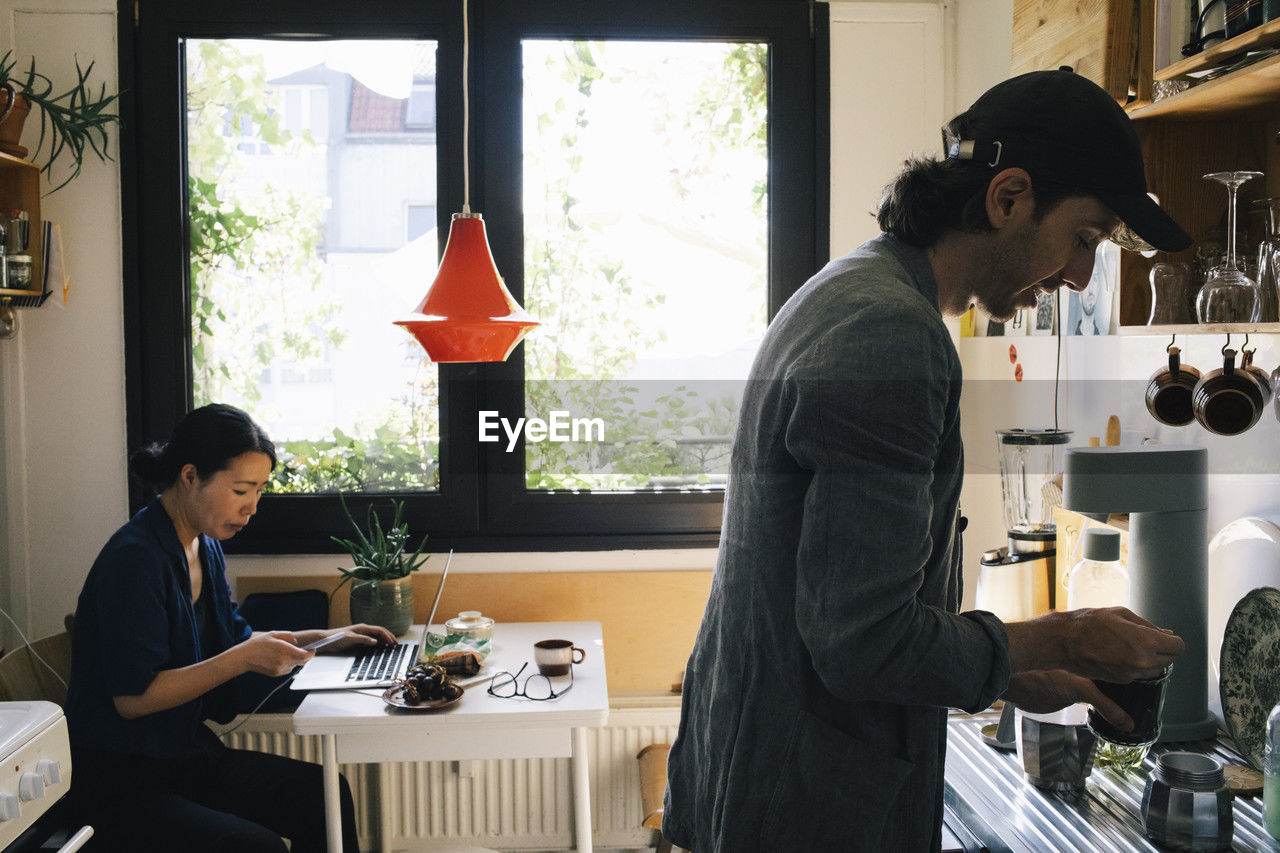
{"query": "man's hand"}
(1109, 643)
(1042, 691)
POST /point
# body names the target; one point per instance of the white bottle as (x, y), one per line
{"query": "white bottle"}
(1271, 775)
(1099, 579)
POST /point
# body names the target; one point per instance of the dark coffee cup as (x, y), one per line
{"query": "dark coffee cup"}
(1228, 401)
(554, 657)
(1259, 375)
(1169, 392)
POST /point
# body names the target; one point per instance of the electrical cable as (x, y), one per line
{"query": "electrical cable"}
(466, 113)
(287, 679)
(27, 643)
(49, 667)
(1057, 370)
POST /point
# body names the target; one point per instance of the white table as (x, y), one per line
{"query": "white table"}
(358, 727)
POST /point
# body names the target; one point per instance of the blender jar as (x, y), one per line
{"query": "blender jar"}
(1029, 459)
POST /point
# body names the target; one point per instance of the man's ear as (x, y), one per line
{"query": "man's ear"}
(1009, 195)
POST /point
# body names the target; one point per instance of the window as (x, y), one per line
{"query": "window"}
(419, 220)
(648, 175)
(421, 112)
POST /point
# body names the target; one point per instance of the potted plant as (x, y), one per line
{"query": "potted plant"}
(73, 122)
(381, 582)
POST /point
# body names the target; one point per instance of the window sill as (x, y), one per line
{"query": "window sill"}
(636, 560)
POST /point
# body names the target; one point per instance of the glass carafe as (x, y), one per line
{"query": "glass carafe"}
(1269, 262)
(1172, 300)
(1229, 295)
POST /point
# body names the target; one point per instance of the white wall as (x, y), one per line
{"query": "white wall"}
(62, 377)
(890, 92)
(62, 427)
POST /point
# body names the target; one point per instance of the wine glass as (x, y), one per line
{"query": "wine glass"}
(1229, 295)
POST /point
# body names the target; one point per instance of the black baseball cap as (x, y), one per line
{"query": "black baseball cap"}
(1066, 129)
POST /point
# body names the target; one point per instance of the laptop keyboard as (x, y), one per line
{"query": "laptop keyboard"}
(381, 663)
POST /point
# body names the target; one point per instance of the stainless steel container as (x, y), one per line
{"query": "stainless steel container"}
(1056, 757)
(1187, 804)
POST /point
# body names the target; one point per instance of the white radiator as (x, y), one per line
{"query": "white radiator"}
(508, 804)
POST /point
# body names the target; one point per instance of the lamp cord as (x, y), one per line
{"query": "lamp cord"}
(466, 113)
(1057, 368)
(27, 643)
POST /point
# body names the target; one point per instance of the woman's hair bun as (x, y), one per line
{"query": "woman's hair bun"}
(209, 438)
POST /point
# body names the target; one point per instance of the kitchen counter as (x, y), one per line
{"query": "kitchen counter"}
(987, 792)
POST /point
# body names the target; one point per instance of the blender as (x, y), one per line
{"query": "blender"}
(1016, 581)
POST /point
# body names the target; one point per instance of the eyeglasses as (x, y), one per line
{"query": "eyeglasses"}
(537, 686)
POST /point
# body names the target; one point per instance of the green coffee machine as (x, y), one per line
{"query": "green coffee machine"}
(1164, 490)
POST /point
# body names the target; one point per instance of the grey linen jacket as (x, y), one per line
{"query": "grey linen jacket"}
(814, 706)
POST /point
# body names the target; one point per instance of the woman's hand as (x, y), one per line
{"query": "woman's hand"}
(352, 636)
(1042, 691)
(272, 653)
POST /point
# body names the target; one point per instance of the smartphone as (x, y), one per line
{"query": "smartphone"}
(323, 641)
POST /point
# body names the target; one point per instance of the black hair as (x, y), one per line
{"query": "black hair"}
(208, 438)
(930, 197)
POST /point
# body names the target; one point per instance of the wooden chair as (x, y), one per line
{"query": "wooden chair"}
(23, 677)
(653, 785)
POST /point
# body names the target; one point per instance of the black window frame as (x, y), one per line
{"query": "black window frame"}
(481, 504)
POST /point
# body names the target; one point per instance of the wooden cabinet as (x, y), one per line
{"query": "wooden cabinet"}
(1226, 123)
(1229, 122)
(20, 188)
(1099, 39)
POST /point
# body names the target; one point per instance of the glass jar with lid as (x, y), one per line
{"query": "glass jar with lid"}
(471, 623)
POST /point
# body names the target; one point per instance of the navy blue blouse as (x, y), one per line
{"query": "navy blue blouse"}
(135, 618)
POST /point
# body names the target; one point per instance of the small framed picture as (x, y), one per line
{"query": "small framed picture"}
(1089, 311)
(1017, 326)
(1044, 316)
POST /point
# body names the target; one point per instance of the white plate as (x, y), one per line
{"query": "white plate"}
(1243, 556)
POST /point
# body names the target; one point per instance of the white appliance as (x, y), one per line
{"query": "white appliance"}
(35, 772)
(1243, 555)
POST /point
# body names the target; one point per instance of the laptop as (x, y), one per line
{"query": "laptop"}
(374, 666)
(370, 666)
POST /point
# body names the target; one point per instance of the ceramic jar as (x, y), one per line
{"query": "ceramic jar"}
(385, 603)
(471, 623)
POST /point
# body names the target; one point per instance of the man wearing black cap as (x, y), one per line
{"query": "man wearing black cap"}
(814, 706)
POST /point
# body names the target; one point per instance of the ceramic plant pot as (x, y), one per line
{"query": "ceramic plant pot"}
(13, 114)
(385, 603)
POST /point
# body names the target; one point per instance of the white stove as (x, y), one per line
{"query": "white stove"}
(35, 771)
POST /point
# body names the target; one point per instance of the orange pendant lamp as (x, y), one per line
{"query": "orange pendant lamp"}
(468, 315)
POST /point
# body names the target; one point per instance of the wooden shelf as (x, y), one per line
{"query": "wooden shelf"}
(1204, 329)
(20, 188)
(1267, 35)
(1252, 90)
